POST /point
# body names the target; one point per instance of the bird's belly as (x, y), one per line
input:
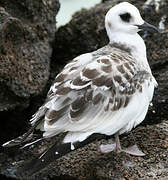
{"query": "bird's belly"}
(129, 117)
(96, 120)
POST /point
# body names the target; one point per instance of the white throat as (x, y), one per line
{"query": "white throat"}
(132, 41)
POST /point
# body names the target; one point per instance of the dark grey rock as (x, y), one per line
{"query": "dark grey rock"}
(27, 29)
(89, 163)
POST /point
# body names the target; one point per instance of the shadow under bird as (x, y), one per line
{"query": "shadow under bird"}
(105, 92)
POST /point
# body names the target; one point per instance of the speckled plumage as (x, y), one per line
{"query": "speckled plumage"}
(93, 83)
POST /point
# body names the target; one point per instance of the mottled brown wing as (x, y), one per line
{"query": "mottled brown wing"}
(107, 82)
(70, 71)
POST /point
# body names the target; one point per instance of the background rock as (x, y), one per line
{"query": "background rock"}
(86, 33)
(27, 29)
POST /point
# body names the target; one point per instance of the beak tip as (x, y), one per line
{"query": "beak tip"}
(149, 27)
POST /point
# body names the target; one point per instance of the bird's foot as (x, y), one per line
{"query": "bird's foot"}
(132, 150)
(107, 148)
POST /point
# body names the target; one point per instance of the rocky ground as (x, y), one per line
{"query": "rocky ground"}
(89, 163)
(28, 68)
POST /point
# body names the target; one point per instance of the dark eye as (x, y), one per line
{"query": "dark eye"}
(125, 17)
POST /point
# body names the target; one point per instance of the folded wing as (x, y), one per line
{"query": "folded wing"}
(91, 91)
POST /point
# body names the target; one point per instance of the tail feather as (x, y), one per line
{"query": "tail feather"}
(53, 153)
(31, 143)
(23, 138)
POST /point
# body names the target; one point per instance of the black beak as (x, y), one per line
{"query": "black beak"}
(148, 27)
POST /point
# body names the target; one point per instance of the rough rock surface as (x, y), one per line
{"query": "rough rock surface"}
(83, 34)
(27, 29)
(89, 163)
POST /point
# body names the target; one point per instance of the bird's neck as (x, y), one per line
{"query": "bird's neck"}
(134, 42)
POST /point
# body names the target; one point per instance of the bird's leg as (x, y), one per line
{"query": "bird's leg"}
(133, 150)
(117, 141)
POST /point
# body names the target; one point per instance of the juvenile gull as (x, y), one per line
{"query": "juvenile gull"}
(107, 91)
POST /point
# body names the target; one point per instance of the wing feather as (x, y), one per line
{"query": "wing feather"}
(91, 89)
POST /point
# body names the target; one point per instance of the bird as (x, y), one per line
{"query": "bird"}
(106, 92)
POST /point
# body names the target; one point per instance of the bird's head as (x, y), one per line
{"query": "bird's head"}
(125, 18)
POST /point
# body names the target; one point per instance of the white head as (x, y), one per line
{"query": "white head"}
(125, 18)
